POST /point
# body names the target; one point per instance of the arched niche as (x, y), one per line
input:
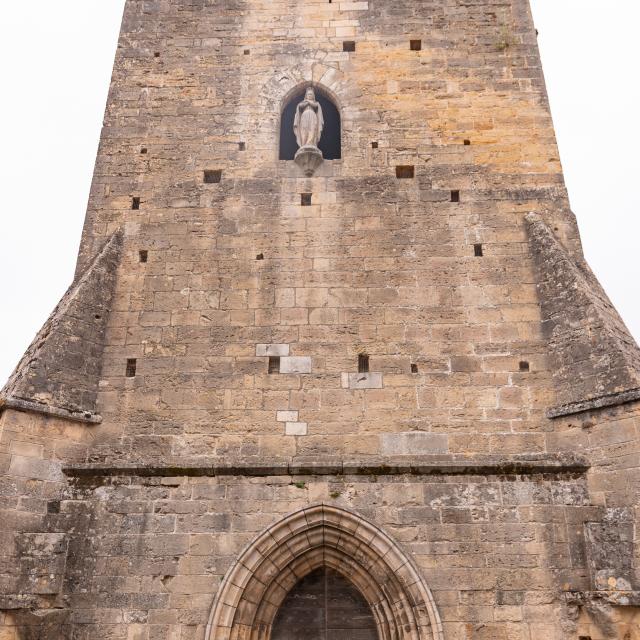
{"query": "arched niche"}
(331, 141)
(323, 536)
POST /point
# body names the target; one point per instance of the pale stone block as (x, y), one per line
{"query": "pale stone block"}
(287, 416)
(354, 6)
(414, 443)
(361, 380)
(345, 32)
(296, 429)
(311, 297)
(26, 449)
(263, 350)
(35, 469)
(295, 364)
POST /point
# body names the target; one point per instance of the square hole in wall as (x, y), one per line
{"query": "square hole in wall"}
(135, 203)
(143, 150)
(349, 46)
(260, 256)
(455, 196)
(274, 364)
(415, 45)
(156, 54)
(143, 255)
(478, 251)
(212, 176)
(363, 363)
(374, 145)
(524, 366)
(132, 365)
(414, 368)
(53, 506)
(405, 171)
(305, 199)
(467, 143)
(242, 146)
(247, 52)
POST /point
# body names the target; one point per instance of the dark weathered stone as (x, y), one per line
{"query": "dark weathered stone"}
(596, 361)
(60, 371)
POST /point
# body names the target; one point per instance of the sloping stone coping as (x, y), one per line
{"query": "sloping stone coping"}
(610, 400)
(29, 406)
(412, 465)
(613, 598)
(324, 536)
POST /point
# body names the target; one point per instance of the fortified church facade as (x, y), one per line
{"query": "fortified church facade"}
(332, 365)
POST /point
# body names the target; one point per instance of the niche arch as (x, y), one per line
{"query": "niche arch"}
(253, 590)
(331, 140)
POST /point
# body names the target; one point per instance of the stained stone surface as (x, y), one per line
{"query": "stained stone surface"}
(59, 373)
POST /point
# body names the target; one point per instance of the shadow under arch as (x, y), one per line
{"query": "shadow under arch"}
(331, 141)
(323, 536)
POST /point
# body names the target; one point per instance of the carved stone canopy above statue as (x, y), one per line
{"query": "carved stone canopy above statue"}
(310, 129)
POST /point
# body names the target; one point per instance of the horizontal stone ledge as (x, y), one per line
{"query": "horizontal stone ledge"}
(31, 406)
(615, 598)
(601, 402)
(404, 465)
(14, 602)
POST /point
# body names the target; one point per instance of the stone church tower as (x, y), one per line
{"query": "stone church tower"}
(365, 389)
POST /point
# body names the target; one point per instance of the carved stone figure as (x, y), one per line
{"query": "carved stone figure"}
(309, 121)
(308, 125)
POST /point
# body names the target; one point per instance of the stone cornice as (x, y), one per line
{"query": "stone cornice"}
(601, 402)
(30, 406)
(441, 465)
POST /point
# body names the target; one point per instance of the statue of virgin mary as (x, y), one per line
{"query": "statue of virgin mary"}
(309, 121)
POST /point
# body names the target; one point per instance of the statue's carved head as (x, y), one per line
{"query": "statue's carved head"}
(310, 95)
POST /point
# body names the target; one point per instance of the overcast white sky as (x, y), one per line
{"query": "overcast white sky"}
(57, 59)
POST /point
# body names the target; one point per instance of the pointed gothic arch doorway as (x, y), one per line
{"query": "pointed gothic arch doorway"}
(324, 605)
(252, 598)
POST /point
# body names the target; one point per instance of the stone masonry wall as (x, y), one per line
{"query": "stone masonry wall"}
(493, 549)
(375, 264)
(34, 537)
(611, 440)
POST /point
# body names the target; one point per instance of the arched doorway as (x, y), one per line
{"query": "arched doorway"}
(331, 141)
(323, 537)
(324, 605)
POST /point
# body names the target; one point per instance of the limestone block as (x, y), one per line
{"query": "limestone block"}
(414, 443)
(42, 561)
(272, 350)
(296, 429)
(285, 297)
(362, 381)
(35, 469)
(295, 364)
(287, 416)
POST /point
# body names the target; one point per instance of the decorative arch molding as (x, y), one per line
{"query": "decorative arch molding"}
(280, 87)
(255, 587)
